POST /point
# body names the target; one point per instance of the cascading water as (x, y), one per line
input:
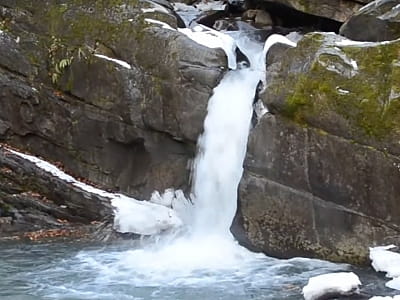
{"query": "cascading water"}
(218, 167)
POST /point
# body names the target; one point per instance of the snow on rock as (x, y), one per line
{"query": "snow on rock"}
(213, 39)
(131, 215)
(162, 24)
(207, 37)
(342, 283)
(386, 261)
(117, 61)
(210, 5)
(200, 7)
(346, 42)
(143, 217)
(397, 297)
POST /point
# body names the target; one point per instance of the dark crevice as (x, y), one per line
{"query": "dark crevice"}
(288, 17)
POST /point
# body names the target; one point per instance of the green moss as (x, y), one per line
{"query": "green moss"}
(77, 26)
(367, 98)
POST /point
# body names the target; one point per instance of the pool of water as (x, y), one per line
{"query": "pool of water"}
(126, 270)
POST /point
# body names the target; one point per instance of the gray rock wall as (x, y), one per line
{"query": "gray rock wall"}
(322, 173)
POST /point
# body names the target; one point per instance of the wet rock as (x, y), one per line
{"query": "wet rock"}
(338, 10)
(259, 17)
(275, 53)
(236, 6)
(299, 197)
(263, 18)
(210, 17)
(378, 21)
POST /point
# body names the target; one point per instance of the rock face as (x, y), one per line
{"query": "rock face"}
(378, 21)
(93, 85)
(322, 173)
(338, 10)
(35, 203)
(116, 126)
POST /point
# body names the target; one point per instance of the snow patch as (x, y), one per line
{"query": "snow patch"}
(332, 283)
(354, 64)
(162, 24)
(207, 37)
(149, 10)
(387, 261)
(117, 61)
(397, 297)
(342, 91)
(178, 6)
(213, 39)
(346, 42)
(210, 5)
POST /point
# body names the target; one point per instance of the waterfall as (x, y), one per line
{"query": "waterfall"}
(222, 147)
(207, 244)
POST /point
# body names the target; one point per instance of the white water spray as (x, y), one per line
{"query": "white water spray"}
(219, 164)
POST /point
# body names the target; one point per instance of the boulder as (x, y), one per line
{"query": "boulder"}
(358, 97)
(338, 10)
(36, 203)
(377, 21)
(321, 174)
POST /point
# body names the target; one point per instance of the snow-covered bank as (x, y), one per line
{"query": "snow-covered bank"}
(131, 215)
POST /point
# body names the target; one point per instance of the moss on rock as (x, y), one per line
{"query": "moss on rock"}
(347, 90)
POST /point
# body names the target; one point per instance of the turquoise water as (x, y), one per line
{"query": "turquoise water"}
(72, 270)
